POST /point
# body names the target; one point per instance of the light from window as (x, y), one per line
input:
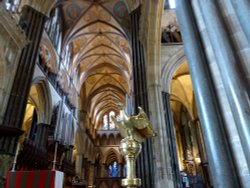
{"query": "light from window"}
(105, 122)
(172, 4)
(111, 122)
(108, 123)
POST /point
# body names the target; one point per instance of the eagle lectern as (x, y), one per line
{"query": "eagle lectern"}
(134, 130)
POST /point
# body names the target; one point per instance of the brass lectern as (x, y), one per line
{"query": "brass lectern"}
(134, 130)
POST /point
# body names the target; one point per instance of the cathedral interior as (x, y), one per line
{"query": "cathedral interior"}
(66, 65)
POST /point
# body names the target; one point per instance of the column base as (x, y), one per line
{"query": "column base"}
(5, 164)
(134, 182)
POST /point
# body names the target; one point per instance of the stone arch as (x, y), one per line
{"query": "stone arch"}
(111, 139)
(98, 140)
(150, 36)
(170, 67)
(118, 138)
(104, 139)
(44, 100)
(112, 152)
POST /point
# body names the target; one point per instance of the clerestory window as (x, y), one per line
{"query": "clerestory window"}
(108, 123)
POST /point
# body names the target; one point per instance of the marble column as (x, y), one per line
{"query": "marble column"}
(230, 124)
(220, 162)
(32, 22)
(242, 9)
(240, 42)
(236, 85)
(145, 160)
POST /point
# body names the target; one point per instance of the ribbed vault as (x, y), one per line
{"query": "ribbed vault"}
(97, 37)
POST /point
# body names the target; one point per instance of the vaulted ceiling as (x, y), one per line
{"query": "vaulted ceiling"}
(97, 34)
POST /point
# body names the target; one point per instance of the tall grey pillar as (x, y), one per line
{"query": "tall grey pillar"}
(234, 80)
(242, 9)
(220, 163)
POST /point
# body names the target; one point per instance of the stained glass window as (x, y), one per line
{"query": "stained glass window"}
(114, 170)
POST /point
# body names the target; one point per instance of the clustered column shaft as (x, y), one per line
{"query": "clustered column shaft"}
(218, 153)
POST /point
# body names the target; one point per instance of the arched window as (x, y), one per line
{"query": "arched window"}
(11, 5)
(114, 169)
(108, 123)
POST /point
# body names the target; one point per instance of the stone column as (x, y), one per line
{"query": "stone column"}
(42, 135)
(240, 43)
(230, 124)
(32, 22)
(91, 174)
(202, 152)
(120, 167)
(78, 163)
(145, 160)
(171, 136)
(103, 170)
(165, 169)
(242, 9)
(220, 162)
(236, 85)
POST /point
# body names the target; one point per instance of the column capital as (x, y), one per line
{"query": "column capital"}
(43, 6)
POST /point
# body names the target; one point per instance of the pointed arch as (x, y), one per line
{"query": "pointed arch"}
(41, 86)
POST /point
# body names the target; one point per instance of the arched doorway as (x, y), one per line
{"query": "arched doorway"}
(36, 123)
(187, 149)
